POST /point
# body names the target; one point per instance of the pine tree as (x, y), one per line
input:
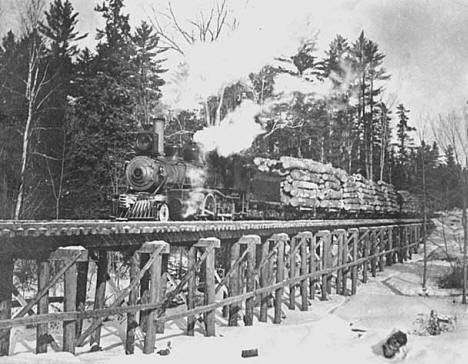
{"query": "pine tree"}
(149, 70)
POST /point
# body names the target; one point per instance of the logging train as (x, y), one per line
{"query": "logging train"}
(176, 184)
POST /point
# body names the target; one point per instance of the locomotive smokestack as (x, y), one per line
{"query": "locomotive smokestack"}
(159, 131)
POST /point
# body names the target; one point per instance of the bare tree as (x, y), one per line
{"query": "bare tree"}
(453, 131)
(207, 26)
(35, 84)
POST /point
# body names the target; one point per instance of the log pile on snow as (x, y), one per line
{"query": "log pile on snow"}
(310, 184)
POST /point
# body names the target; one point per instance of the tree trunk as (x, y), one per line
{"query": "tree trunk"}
(30, 90)
(465, 238)
(425, 221)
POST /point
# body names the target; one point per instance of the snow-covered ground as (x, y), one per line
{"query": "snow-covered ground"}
(341, 330)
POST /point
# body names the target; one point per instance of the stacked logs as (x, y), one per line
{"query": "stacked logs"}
(306, 183)
(310, 184)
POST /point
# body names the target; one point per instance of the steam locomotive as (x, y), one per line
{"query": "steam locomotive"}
(165, 186)
(168, 184)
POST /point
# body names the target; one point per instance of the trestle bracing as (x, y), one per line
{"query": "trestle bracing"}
(315, 260)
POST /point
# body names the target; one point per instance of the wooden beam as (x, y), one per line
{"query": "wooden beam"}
(70, 290)
(281, 240)
(305, 238)
(209, 244)
(264, 280)
(191, 289)
(132, 300)
(154, 295)
(250, 242)
(43, 305)
(234, 283)
(100, 293)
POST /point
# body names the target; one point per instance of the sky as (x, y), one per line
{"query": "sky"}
(425, 41)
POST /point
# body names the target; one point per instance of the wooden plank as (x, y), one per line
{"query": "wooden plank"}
(132, 300)
(192, 257)
(43, 305)
(6, 285)
(234, 284)
(279, 278)
(100, 293)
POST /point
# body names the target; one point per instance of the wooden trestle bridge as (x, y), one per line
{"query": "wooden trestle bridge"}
(261, 259)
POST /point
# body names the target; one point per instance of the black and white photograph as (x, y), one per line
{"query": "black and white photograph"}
(233, 181)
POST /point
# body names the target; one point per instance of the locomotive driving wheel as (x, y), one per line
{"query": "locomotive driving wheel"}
(209, 206)
(163, 212)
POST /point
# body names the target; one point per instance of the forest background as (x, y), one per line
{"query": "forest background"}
(68, 116)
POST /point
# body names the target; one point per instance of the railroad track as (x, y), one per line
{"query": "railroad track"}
(38, 228)
(29, 237)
